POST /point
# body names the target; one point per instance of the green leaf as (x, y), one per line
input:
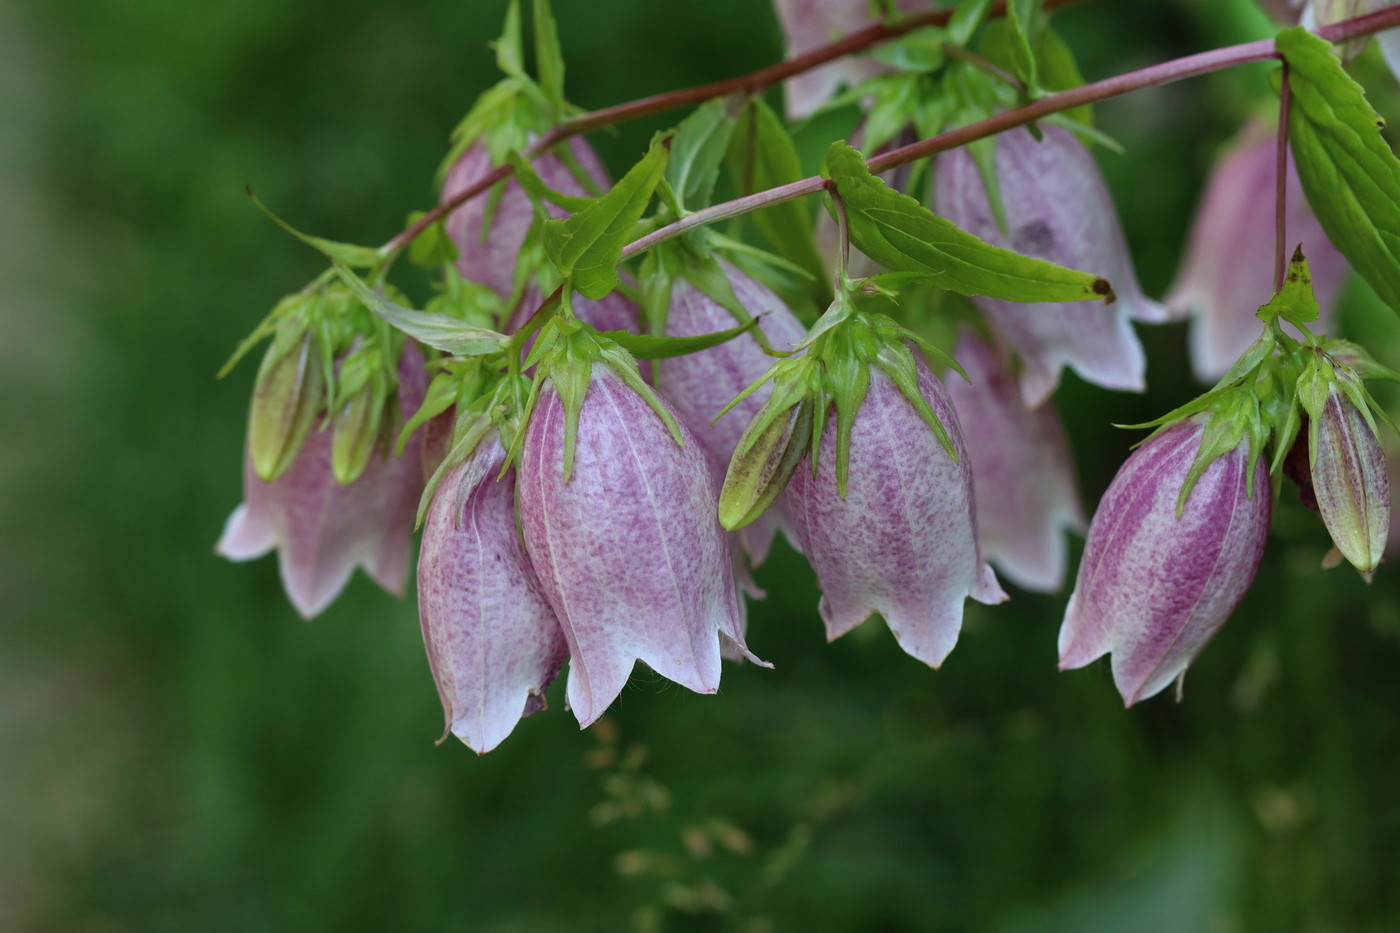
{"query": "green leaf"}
(966, 18)
(358, 257)
(697, 151)
(433, 247)
(1351, 177)
(510, 55)
(648, 347)
(549, 58)
(763, 155)
(1295, 302)
(587, 246)
(435, 330)
(534, 186)
(904, 236)
(1020, 17)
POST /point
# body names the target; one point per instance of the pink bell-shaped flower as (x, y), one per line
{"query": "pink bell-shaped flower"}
(903, 540)
(324, 529)
(1155, 586)
(490, 229)
(700, 385)
(1229, 267)
(627, 545)
(1058, 209)
(1026, 496)
(493, 641)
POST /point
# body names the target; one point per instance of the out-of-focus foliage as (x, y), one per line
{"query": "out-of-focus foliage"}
(178, 752)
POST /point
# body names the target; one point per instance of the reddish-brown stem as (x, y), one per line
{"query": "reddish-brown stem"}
(752, 83)
(1281, 184)
(1154, 75)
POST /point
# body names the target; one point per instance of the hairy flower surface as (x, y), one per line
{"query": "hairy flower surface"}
(1057, 208)
(1154, 587)
(903, 541)
(492, 639)
(700, 385)
(324, 529)
(1228, 271)
(628, 549)
(1026, 496)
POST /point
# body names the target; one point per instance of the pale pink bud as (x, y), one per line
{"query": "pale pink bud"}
(700, 385)
(628, 550)
(1228, 271)
(1026, 496)
(1058, 209)
(493, 641)
(488, 253)
(323, 529)
(809, 24)
(1349, 481)
(1154, 587)
(903, 542)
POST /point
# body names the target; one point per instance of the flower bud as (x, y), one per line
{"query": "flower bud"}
(619, 523)
(322, 528)
(492, 639)
(1349, 479)
(356, 425)
(489, 230)
(1154, 586)
(700, 385)
(1026, 496)
(902, 541)
(287, 398)
(1229, 266)
(1057, 208)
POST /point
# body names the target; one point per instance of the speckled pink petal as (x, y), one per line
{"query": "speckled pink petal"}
(487, 253)
(323, 529)
(629, 552)
(492, 639)
(1026, 496)
(699, 385)
(1154, 588)
(1059, 209)
(903, 542)
(1228, 271)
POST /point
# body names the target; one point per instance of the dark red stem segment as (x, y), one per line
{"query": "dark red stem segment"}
(1281, 185)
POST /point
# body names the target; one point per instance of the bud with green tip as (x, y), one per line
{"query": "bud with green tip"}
(357, 420)
(287, 398)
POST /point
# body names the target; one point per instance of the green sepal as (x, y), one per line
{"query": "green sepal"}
(920, 51)
(363, 391)
(359, 257)
(288, 306)
(1224, 430)
(472, 302)
(965, 20)
(697, 153)
(549, 57)
(1351, 177)
(649, 347)
(899, 364)
(587, 246)
(1020, 24)
(435, 330)
(763, 155)
(904, 236)
(1294, 303)
(535, 187)
(433, 247)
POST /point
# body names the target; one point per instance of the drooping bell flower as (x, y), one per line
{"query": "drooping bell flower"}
(902, 540)
(700, 385)
(493, 641)
(1057, 208)
(322, 528)
(1228, 271)
(1026, 496)
(1154, 586)
(809, 24)
(617, 509)
(489, 230)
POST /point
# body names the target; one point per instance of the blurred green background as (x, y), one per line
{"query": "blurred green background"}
(179, 752)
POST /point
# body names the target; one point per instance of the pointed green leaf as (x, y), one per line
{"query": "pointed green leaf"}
(549, 58)
(358, 257)
(648, 347)
(587, 246)
(1295, 303)
(1351, 177)
(966, 18)
(435, 330)
(901, 234)
(433, 247)
(510, 55)
(534, 186)
(697, 151)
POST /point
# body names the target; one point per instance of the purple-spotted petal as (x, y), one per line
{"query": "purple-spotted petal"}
(903, 542)
(1228, 271)
(1154, 588)
(492, 639)
(629, 551)
(1026, 496)
(1058, 209)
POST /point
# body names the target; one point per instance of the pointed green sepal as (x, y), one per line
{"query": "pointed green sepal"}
(1294, 303)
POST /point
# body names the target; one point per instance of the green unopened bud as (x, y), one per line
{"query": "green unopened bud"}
(765, 458)
(287, 399)
(359, 415)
